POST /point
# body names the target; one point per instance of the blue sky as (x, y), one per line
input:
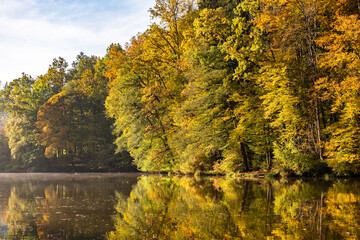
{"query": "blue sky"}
(33, 32)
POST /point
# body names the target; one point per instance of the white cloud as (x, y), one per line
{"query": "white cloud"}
(32, 32)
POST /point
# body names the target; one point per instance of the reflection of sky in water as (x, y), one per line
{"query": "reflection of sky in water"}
(3, 229)
(4, 196)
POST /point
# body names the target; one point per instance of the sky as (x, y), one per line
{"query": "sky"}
(34, 32)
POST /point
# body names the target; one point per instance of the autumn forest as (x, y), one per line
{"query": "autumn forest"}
(212, 86)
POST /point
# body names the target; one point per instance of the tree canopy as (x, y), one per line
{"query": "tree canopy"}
(210, 86)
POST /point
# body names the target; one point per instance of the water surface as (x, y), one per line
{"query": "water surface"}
(132, 206)
(60, 206)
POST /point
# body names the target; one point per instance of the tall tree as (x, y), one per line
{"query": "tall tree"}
(341, 61)
(292, 28)
(72, 124)
(155, 76)
(201, 132)
(19, 102)
(250, 137)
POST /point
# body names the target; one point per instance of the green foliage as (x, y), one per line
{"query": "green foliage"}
(59, 119)
(227, 5)
(72, 125)
(201, 112)
(21, 102)
(217, 208)
(221, 87)
(147, 87)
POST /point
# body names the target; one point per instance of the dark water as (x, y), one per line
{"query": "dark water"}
(131, 206)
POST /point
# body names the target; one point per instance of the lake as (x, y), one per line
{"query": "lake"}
(136, 206)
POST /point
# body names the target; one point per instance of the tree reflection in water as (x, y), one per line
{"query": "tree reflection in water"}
(20, 216)
(67, 207)
(157, 207)
(219, 208)
(59, 212)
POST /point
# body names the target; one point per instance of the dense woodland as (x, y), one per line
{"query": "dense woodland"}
(211, 86)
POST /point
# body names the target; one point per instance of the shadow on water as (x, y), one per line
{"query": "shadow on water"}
(132, 206)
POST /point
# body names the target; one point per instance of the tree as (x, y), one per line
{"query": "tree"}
(72, 124)
(341, 87)
(148, 86)
(290, 77)
(5, 154)
(201, 132)
(22, 99)
(227, 5)
(251, 137)
(19, 102)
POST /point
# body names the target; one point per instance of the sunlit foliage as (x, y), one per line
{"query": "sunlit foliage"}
(210, 86)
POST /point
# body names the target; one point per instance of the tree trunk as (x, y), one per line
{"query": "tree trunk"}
(245, 203)
(244, 157)
(268, 158)
(318, 128)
